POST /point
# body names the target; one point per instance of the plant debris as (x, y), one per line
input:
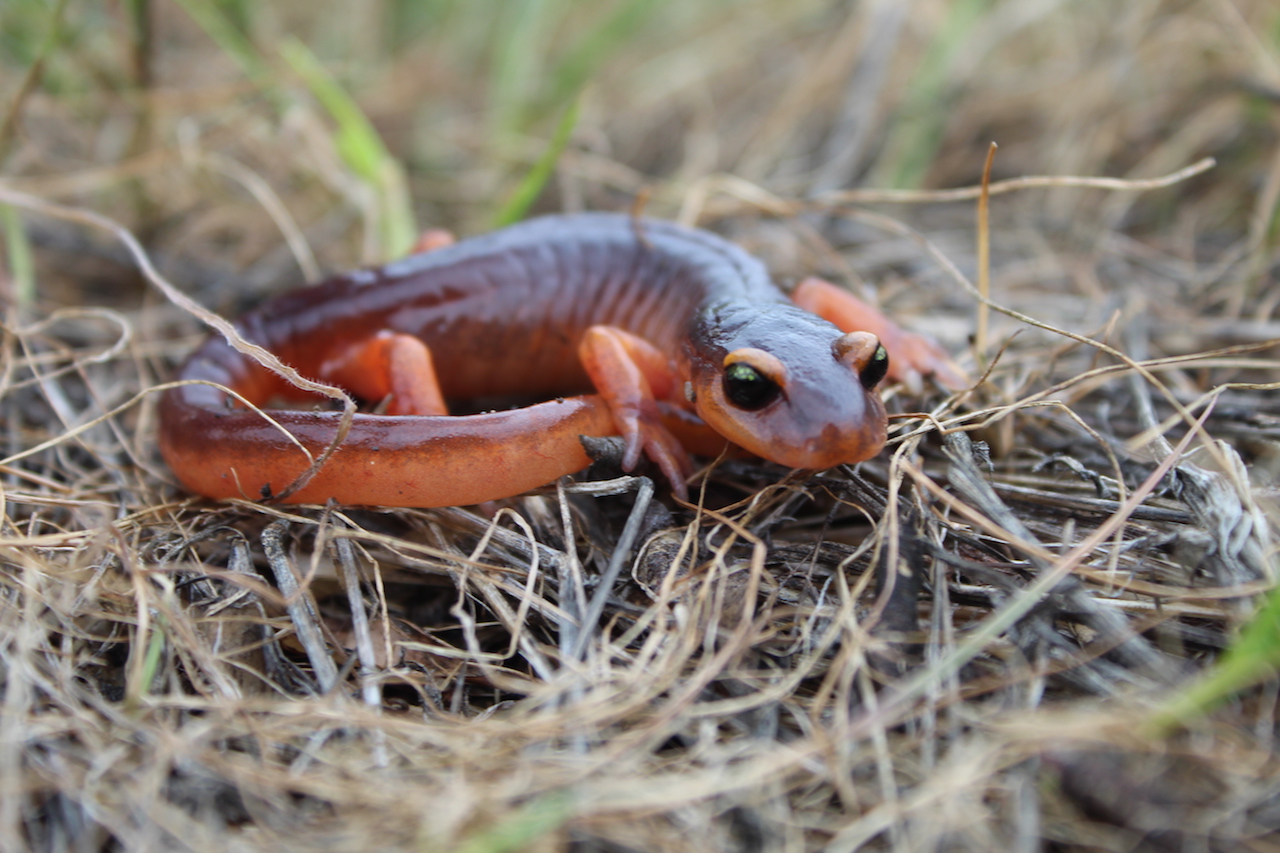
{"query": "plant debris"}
(961, 644)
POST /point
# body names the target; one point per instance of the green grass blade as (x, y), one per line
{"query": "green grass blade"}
(143, 676)
(516, 64)
(582, 60)
(913, 142)
(1253, 658)
(30, 80)
(360, 148)
(22, 268)
(530, 187)
(233, 42)
(523, 826)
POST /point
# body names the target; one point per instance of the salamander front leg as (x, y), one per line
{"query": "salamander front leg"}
(911, 355)
(632, 375)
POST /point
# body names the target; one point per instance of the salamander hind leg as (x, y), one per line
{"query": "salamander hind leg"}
(911, 356)
(632, 375)
(393, 367)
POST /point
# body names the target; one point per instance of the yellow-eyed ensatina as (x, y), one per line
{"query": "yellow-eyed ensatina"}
(649, 313)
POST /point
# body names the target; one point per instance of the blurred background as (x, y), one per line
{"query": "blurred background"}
(218, 128)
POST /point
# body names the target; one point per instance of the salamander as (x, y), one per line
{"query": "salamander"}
(650, 316)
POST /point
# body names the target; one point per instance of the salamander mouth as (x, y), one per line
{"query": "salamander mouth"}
(833, 447)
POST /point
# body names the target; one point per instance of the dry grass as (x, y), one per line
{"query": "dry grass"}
(962, 645)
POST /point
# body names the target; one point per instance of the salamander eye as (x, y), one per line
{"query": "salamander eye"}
(865, 355)
(753, 378)
(875, 369)
(747, 388)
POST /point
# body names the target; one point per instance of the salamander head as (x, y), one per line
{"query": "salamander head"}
(787, 385)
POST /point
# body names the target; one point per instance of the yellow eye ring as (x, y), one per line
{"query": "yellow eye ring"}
(766, 364)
